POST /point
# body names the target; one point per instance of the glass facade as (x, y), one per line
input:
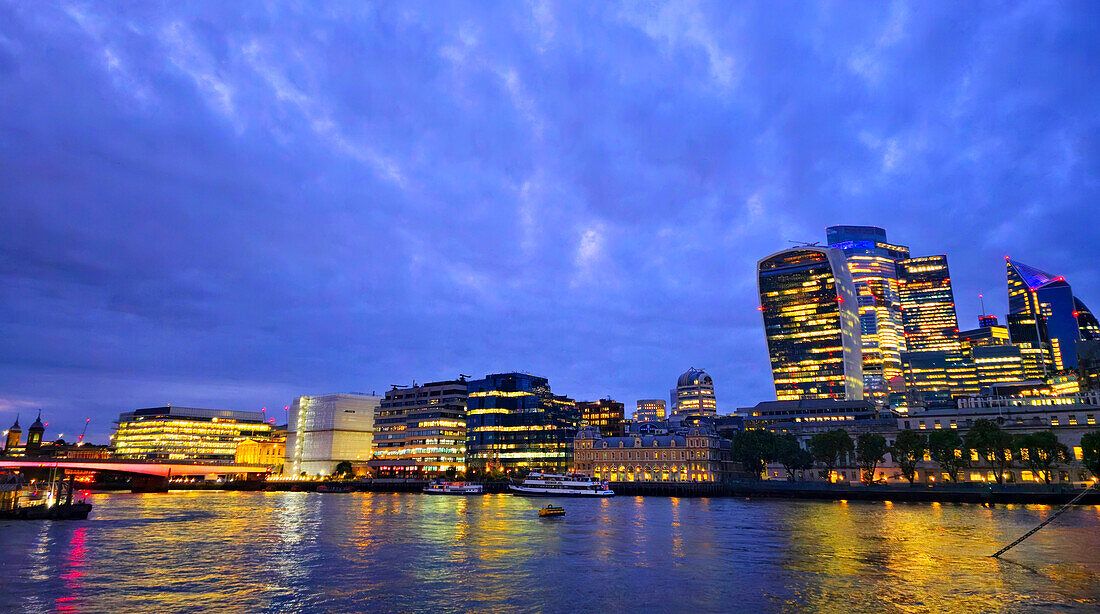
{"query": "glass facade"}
(513, 420)
(186, 433)
(1049, 300)
(694, 394)
(421, 430)
(811, 323)
(871, 261)
(928, 304)
(650, 410)
(605, 414)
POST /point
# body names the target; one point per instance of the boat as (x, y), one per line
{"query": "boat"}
(55, 502)
(440, 487)
(538, 484)
(334, 488)
(550, 511)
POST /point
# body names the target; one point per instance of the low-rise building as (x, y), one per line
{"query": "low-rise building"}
(328, 429)
(264, 452)
(186, 433)
(650, 410)
(605, 414)
(692, 455)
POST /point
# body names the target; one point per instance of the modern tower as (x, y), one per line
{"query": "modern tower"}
(694, 394)
(513, 420)
(928, 304)
(871, 261)
(811, 323)
(1060, 319)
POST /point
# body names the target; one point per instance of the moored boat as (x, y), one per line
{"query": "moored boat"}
(550, 511)
(439, 487)
(538, 484)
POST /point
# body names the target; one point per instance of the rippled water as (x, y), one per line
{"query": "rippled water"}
(278, 552)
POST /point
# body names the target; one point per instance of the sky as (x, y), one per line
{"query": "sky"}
(232, 204)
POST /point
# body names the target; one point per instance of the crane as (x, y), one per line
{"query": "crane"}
(80, 440)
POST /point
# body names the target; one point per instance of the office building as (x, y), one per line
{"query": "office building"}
(1059, 318)
(811, 323)
(606, 415)
(186, 433)
(1027, 332)
(937, 378)
(997, 364)
(872, 263)
(695, 454)
(927, 304)
(420, 430)
(769, 414)
(650, 410)
(1088, 365)
(982, 337)
(987, 320)
(328, 429)
(513, 420)
(693, 395)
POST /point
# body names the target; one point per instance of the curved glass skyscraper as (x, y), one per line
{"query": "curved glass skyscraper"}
(1058, 319)
(811, 322)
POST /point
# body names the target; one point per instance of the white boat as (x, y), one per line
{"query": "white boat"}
(453, 488)
(538, 484)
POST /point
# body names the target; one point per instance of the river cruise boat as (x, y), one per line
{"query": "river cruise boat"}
(454, 488)
(538, 484)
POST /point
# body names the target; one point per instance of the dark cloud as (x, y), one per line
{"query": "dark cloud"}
(228, 205)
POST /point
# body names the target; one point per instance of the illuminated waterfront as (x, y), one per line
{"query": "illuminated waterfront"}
(238, 552)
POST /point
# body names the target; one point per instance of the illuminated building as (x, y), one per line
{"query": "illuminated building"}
(513, 420)
(265, 452)
(1027, 332)
(982, 337)
(12, 438)
(650, 410)
(811, 323)
(694, 394)
(871, 261)
(987, 321)
(927, 304)
(1088, 365)
(937, 378)
(806, 411)
(997, 364)
(695, 455)
(605, 414)
(1060, 319)
(328, 429)
(420, 430)
(34, 437)
(185, 432)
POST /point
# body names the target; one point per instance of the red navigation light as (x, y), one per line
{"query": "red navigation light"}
(1075, 314)
(760, 308)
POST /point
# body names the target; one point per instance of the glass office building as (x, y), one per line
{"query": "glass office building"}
(513, 420)
(871, 261)
(811, 323)
(186, 433)
(1049, 301)
(650, 410)
(420, 430)
(927, 304)
(607, 415)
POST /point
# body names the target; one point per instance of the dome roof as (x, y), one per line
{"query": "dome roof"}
(694, 377)
(15, 427)
(38, 423)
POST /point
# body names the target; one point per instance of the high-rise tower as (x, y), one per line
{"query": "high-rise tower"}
(1046, 302)
(871, 261)
(811, 322)
(927, 304)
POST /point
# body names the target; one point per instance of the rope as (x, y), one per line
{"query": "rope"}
(1043, 523)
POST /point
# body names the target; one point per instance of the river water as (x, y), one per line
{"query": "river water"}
(286, 552)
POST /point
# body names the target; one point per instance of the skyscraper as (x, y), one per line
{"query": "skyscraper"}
(927, 304)
(1057, 314)
(513, 420)
(811, 323)
(871, 261)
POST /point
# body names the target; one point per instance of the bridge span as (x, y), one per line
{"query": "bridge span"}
(146, 476)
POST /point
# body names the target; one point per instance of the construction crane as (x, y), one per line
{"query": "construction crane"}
(805, 243)
(80, 440)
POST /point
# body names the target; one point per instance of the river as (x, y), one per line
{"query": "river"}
(282, 552)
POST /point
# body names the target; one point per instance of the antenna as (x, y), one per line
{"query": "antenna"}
(981, 298)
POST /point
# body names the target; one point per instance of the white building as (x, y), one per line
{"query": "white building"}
(327, 429)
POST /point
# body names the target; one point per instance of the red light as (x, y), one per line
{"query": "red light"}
(760, 308)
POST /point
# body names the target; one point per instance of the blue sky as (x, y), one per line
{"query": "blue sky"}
(231, 204)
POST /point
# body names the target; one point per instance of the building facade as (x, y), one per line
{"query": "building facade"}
(694, 395)
(650, 410)
(263, 452)
(325, 430)
(811, 322)
(186, 433)
(928, 304)
(514, 421)
(421, 430)
(1060, 319)
(694, 455)
(606, 415)
(872, 263)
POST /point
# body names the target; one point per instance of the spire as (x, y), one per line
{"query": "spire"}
(15, 427)
(38, 422)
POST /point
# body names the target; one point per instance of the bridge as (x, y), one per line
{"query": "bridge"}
(147, 475)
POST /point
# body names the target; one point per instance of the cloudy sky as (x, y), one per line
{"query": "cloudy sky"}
(230, 204)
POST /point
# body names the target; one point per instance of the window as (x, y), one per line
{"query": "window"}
(1078, 453)
(938, 424)
(1090, 418)
(1054, 420)
(1072, 420)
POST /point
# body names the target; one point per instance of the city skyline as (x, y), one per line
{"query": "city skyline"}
(203, 218)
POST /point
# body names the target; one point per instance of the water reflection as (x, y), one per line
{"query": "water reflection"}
(247, 552)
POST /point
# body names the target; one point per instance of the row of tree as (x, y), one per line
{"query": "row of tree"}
(994, 448)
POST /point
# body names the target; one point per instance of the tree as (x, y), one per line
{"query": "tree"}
(827, 448)
(870, 451)
(792, 456)
(1090, 452)
(993, 445)
(908, 450)
(754, 449)
(1043, 452)
(343, 468)
(949, 451)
